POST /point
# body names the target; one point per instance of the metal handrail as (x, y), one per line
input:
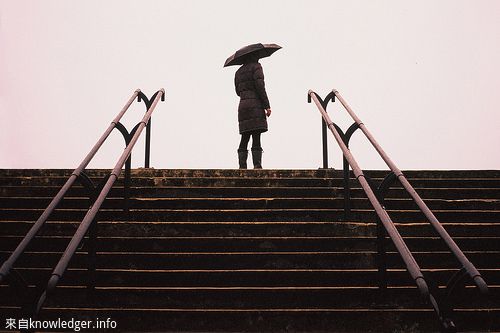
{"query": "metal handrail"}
(84, 226)
(438, 227)
(440, 306)
(8, 264)
(410, 262)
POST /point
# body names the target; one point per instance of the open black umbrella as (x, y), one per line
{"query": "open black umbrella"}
(255, 50)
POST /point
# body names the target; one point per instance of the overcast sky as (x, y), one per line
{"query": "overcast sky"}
(422, 75)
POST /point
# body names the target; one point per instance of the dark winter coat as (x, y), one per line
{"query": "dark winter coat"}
(249, 84)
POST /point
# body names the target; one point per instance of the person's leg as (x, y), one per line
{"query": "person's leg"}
(242, 150)
(245, 138)
(256, 151)
(256, 141)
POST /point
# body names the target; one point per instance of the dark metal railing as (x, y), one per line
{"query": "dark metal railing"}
(89, 223)
(442, 308)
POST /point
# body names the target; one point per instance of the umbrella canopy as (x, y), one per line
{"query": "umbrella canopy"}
(255, 50)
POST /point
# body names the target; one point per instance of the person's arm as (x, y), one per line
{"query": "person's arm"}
(258, 77)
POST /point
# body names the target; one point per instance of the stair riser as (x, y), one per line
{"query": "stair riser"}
(258, 321)
(242, 192)
(256, 182)
(269, 173)
(179, 192)
(258, 278)
(354, 298)
(322, 173)
(247, 245)
(263, 203)
(293, 260)
(249, 229)
(185, 182)
(251, 215)
(436, 193)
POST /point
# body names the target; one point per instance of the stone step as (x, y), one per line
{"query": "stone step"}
(178, 192)
(251, 229)
(260, 320)
(254, 260)
(246, 244)
(252, 192)
(100, 173)
(244, 277)
(455, 193)
(250, 203)
(209, 215)
(322, 173)
(256, 182)
(248, 297)
(184, 182)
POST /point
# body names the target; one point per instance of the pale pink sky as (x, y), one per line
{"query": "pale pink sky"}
(422, 75)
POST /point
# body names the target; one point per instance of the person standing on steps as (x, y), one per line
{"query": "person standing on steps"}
(254, 104)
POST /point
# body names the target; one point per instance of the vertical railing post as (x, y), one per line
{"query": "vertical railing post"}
(381, 192)
(325, 144)
(92, 256)
(92, 191)
(148, 145)
(148, 102)
(324, 127)
(141, 97)
(128, 165)
(347, 191)
(346, 137)
(126, 184)
(381, 258)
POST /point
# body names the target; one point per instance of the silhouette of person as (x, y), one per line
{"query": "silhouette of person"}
(252, 110)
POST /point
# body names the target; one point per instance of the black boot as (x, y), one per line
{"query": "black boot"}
(242, 158)
(257, 158)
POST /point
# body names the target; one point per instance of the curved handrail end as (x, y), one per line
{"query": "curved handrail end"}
(422, 287)
(5, 270)
(138, 93)
(40, 302)
(309, 93)
(51, 285)
(481, 284)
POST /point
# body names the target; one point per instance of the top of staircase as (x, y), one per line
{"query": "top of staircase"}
(151, 172)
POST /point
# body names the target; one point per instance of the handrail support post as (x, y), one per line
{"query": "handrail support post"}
(325, 144)
(92, 257)
(149, 102)
(381, 257)
(347, 191)
(381, 192)
(126, 184)
(147, 152)
(324, 126)
(92, 191)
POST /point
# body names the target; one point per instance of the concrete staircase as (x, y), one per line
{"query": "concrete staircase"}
(253, 250)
